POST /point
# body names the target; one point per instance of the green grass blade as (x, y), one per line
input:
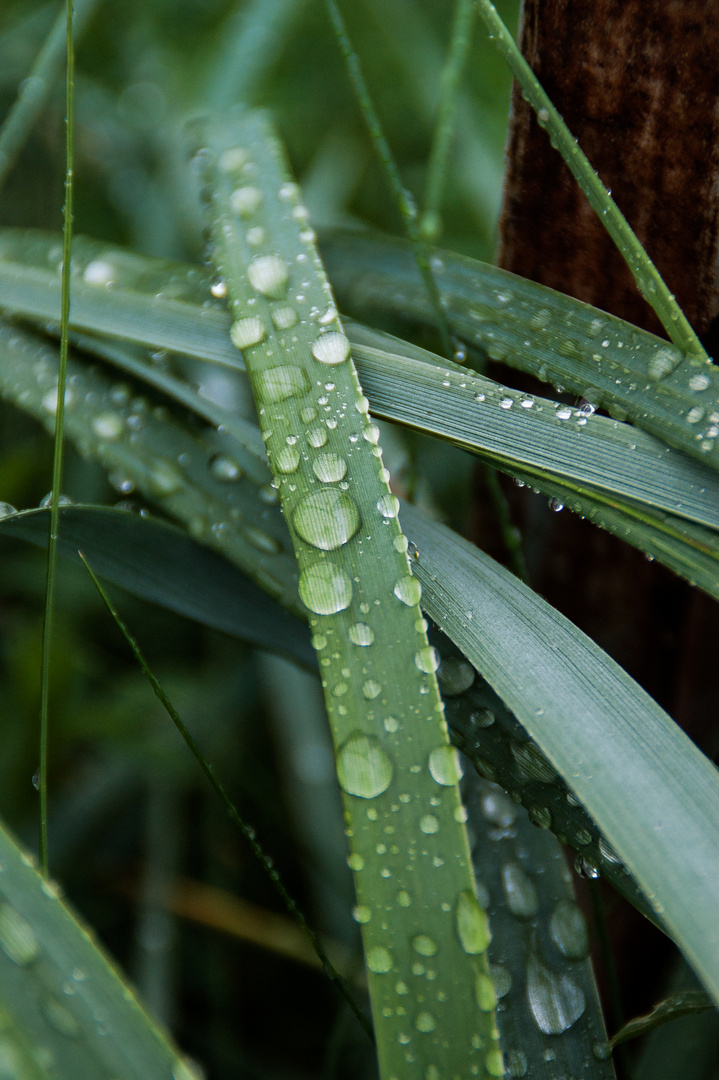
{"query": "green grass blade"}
(609, 740)
(393, 759)
(61, 992)
(649, 281)
(632, 373)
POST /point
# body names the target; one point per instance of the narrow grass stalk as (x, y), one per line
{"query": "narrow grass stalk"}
(403, 199)
(464, 14)
(247, 831)
(57, 460)
(649, 281)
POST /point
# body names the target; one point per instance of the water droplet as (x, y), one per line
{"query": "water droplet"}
(555, 999)
(325, 588)
(279, 383)
(49, 401)
(472, 924)
(516, 1062)
(262, 540)
(445, 766)
(255, 236)
(326, 519)
(108, 425)
(563, 414)
(585, 868)
(502, 979)
(17, 937)
(361, 634)
(408, 590)
(246, 201)
(498, 808)
(218, 288)
(165, 478)
(482, 718)
(388, 506)
(355, 861)
(532, 763)
(98, 272)
(329, 468)
(287, 460)
(519, 891)
(661, 364)
(371, 689)
(246, 332)
(6, 509)
(506, 403)
(331, 348)
(540, 816)
(429, 824)
(233, 160)
(555, 505)
(425, 1022)
(361, 913)
(484, 992)
(371, 434)
(424, 945)
(700, 381)
(289, 192)
(391, 724)
(607, 851)
(427, 659)
(364, 767)
(403, 898)
(225, 468)
(695, 415)
(269, 275)
(455, 675)
(284, 317)
(569, 930)
(60, 1017)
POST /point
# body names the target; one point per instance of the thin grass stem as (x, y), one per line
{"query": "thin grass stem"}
(403, 198)
(57, 459)
(247, 830)
(649, 281)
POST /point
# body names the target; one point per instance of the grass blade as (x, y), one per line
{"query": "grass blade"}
(393, 759)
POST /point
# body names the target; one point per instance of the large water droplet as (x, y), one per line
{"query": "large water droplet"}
(269, 275)
(17, 937)
(519, 891)
(326, 519)
(329, 468)
(569, 930)
(317, 437)
(6, 509)
(661, 364)
(331, 348)
(246, 332)
(325, 588)
(472, 924)
(408, 590)
(279, 383)
(287, 459)
(364, 767)
(455, 676)
(445, 765)
(555, 999)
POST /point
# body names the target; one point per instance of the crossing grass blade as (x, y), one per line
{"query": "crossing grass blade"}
(633, 374)
(398, 774)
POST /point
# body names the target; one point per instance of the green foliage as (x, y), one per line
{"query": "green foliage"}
(241, 534)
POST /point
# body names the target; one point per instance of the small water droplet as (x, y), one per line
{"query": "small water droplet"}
(165, 478)
(532, 763)
(60, 1017)
(427, 659)
(325, 588)
(225, 468)
(364, 768)
(506, 403)
(279, 383)
(233, 160)
(388, 506)
(444, 765)
(424, 945)
(698, 382)
(555, 505)
(695, 415)
(555, 999)
(355, 861)
(484, 992)
(569, 930)
(361, 634)
(563, 414)
(498, 808)
(256, 236)
(425, 1021)
(331, 348)
(246, 201)
(408, 590)
(482, 718)
(17, 937)
(391, 724)
(516, 1062)
(661, 364)
(371, 689)
(585, 868)
(361, 913)
(284, 317)
(6, 509)
(371, 434)
(247, 332)
(108, 425)
(472, 924)
(429, 824)
(519, 891)
(403, 898)
(287, 459)
(455, 675)
(502, 979)
(329, 468)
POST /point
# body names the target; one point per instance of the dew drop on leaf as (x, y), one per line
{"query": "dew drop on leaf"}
(325, 588)
(364, 768)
